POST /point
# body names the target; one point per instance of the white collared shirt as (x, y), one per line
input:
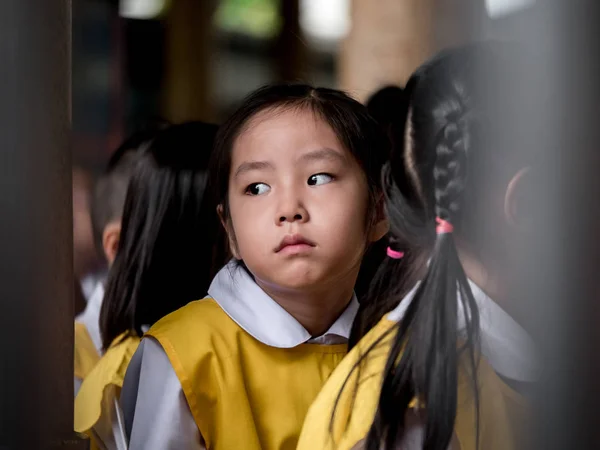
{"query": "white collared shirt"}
(90, 281)
(156, 412)
(90, 316)
(504, 343)
(263, 318)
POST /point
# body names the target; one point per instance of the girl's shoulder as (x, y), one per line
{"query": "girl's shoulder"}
(198, 320)
(85, 354)
(344, 409)
(204, 309)
(342, 413)
(108, 372)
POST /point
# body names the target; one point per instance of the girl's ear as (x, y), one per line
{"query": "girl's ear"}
(513, 198)
(380, 224)
(221, 214)
(229, 230)
(111, 236)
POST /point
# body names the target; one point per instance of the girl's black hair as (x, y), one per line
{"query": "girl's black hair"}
(110, 189)
(167, 254)
(449, 158)
(350, 120)
(389, 107)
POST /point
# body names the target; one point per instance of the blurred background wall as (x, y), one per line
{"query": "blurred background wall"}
(134, 60)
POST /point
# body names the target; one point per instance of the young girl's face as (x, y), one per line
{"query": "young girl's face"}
(298, 202)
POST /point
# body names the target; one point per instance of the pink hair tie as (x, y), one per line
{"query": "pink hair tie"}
(443, 226)
(394, 254)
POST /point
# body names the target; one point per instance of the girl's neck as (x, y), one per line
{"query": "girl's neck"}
(486, 279)
(498, 288)
(317, 308)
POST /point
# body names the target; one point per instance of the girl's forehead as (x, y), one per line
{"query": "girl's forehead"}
(284, 131)
(282, 116)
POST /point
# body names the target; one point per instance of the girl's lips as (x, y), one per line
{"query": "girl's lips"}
(293, 243)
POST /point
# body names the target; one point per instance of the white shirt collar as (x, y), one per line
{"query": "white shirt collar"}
(505, 344)
(262, 317)
(90, 316)
(89, 283)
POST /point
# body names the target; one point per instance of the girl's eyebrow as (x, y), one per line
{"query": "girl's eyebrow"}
(315, 155)
(248, 166)
(323, 154)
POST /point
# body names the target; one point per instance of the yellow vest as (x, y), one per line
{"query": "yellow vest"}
(243, 394)
(354, 411)
(86, 355)
(110, 370)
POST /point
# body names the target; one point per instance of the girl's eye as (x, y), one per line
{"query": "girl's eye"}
(320, 178)
(258, 189)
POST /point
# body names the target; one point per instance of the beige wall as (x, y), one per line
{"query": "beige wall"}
(390, 38)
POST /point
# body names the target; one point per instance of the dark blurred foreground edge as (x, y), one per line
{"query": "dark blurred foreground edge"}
(36, 282)
(560, 264)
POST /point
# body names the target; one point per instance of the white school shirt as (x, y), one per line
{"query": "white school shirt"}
(505, 344)
(90, 317)
(156, 413)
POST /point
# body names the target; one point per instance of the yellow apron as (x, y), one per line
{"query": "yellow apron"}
(342, 415)
(243, 394)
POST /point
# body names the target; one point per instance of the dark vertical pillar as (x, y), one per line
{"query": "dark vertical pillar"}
(291, 52)
(144, 55)
(187, 84)
(36, 283)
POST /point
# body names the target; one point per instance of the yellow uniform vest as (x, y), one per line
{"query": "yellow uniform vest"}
(86, 355)
(243, 394)
(360, 387)
(110, 370)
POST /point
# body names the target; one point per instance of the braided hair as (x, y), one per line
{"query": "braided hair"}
(445, 139)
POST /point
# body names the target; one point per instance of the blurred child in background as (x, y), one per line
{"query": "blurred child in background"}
(164, 259)
(107, 202)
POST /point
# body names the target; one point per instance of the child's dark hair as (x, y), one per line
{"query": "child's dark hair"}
(110, 189)
(388, 106)
(350, 121)
(449, 156)
(166, 254)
